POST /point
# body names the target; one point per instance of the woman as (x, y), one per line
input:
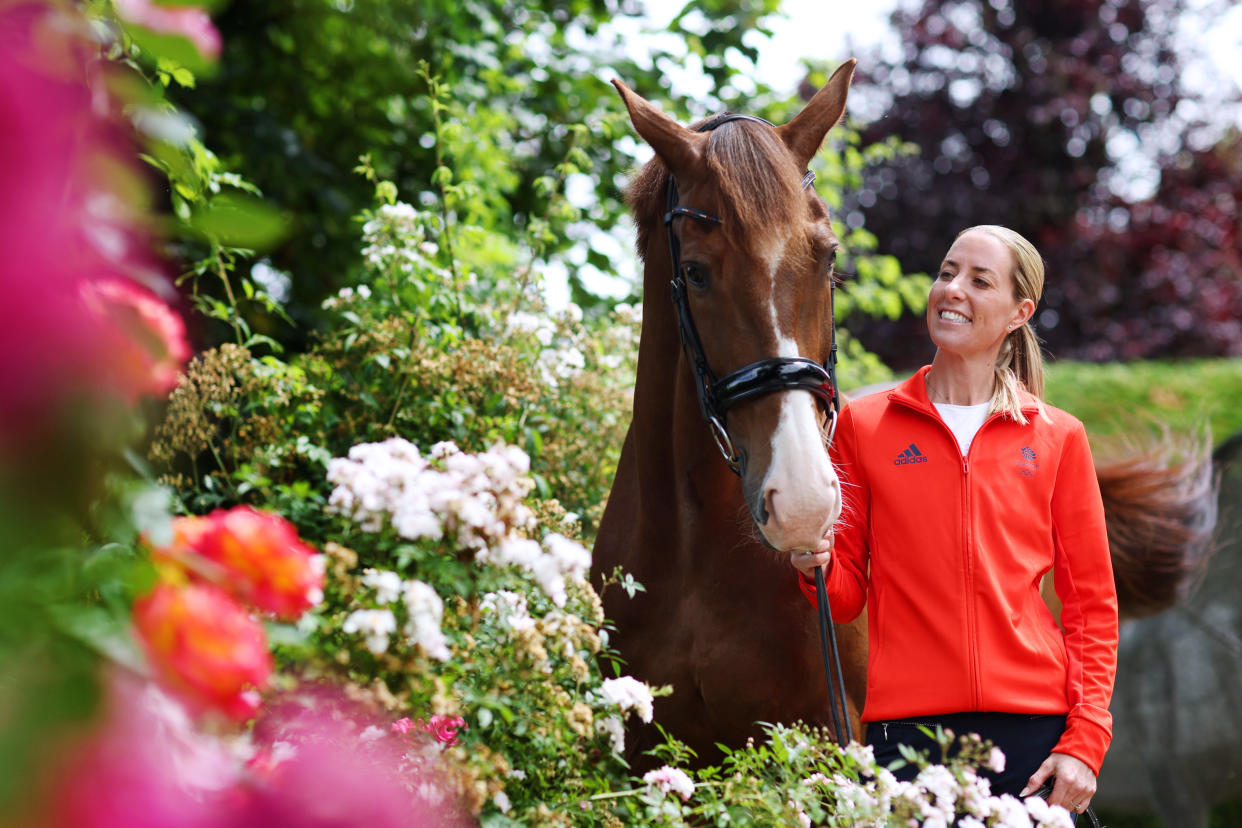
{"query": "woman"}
(962, 489)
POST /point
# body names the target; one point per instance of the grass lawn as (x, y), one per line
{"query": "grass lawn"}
(1115, 398)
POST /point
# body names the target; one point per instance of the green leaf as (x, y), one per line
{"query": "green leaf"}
(442, 176)
(180, 50)
(233, 219)
(99, 629)
(184, 77)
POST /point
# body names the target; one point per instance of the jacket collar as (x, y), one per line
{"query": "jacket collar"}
(913, 392)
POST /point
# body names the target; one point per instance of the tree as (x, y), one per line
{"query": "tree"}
(1167, 270)
(306, 87)
(1029, 115)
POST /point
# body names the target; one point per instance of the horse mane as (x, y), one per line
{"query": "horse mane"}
(1161, 513)
(757, 176)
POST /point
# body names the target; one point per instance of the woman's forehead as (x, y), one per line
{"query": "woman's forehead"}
(977, 249)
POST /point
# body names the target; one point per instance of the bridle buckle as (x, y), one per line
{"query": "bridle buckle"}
(723, 442)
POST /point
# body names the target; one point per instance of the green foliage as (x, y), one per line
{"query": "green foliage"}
(343, 80)
(218, 219)
(436, 346)
(797, 776)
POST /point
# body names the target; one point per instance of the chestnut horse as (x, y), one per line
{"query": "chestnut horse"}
(721, 618)
(718, 620)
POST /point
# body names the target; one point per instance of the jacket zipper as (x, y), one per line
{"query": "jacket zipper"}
(976, 688)
(968, 554)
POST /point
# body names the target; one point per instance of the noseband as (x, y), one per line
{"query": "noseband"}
(767, 376)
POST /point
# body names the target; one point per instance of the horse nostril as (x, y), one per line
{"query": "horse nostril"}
(766, 507)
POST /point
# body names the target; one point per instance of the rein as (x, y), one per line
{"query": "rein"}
(767, 376)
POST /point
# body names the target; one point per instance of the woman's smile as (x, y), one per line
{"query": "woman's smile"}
(972, 306)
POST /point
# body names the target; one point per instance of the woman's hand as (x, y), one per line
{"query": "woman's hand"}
(805, 562)
(1075, 783)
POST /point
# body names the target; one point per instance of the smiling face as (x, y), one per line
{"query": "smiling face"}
(972, 305)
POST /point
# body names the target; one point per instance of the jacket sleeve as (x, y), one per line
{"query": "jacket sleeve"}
(1083, 576)
(846, 578)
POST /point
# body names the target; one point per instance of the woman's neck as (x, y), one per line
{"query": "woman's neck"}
(957, 381)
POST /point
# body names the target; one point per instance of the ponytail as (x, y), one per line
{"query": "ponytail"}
(1019, 366)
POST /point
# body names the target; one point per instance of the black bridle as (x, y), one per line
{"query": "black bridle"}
(767, 376)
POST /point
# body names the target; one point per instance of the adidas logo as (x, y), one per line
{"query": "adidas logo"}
(909, 456)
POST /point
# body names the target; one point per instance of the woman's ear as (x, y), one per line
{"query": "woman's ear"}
(1022, 314)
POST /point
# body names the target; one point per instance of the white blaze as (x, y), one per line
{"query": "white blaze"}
(801, 491)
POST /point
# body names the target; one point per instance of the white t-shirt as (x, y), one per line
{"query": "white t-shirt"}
(964, 421)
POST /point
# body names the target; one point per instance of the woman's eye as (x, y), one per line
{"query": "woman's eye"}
(946, 275)
(694, 274)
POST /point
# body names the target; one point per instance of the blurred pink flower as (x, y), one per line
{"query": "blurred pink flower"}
(204, 646)
(74, 233)
(335, 777)
(186, 21)
(402, 726)
(147, 766)
(148, 338)
(144, 766)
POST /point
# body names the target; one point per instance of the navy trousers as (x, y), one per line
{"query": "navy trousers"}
(1025, 739)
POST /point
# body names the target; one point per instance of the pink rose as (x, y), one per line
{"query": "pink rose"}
(444, 728)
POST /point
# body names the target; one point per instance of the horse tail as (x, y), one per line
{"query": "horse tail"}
(1160, 509)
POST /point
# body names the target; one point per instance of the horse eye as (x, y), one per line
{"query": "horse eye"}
(832, 259)
(694, 274)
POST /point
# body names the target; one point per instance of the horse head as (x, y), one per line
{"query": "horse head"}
(754, 249)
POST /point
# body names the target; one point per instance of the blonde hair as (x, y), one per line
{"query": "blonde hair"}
(1020, 362)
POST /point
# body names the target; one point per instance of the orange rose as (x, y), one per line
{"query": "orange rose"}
(263, 560)
(255, 555)
(204, 646)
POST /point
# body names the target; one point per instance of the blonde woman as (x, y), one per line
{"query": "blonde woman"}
(962, 488)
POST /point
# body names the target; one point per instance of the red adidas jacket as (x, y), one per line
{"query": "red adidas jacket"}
(947, 554)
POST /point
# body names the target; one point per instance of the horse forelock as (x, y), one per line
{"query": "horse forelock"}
(758, 180)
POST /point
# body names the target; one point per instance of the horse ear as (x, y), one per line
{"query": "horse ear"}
(681, 149)
(804, 135)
